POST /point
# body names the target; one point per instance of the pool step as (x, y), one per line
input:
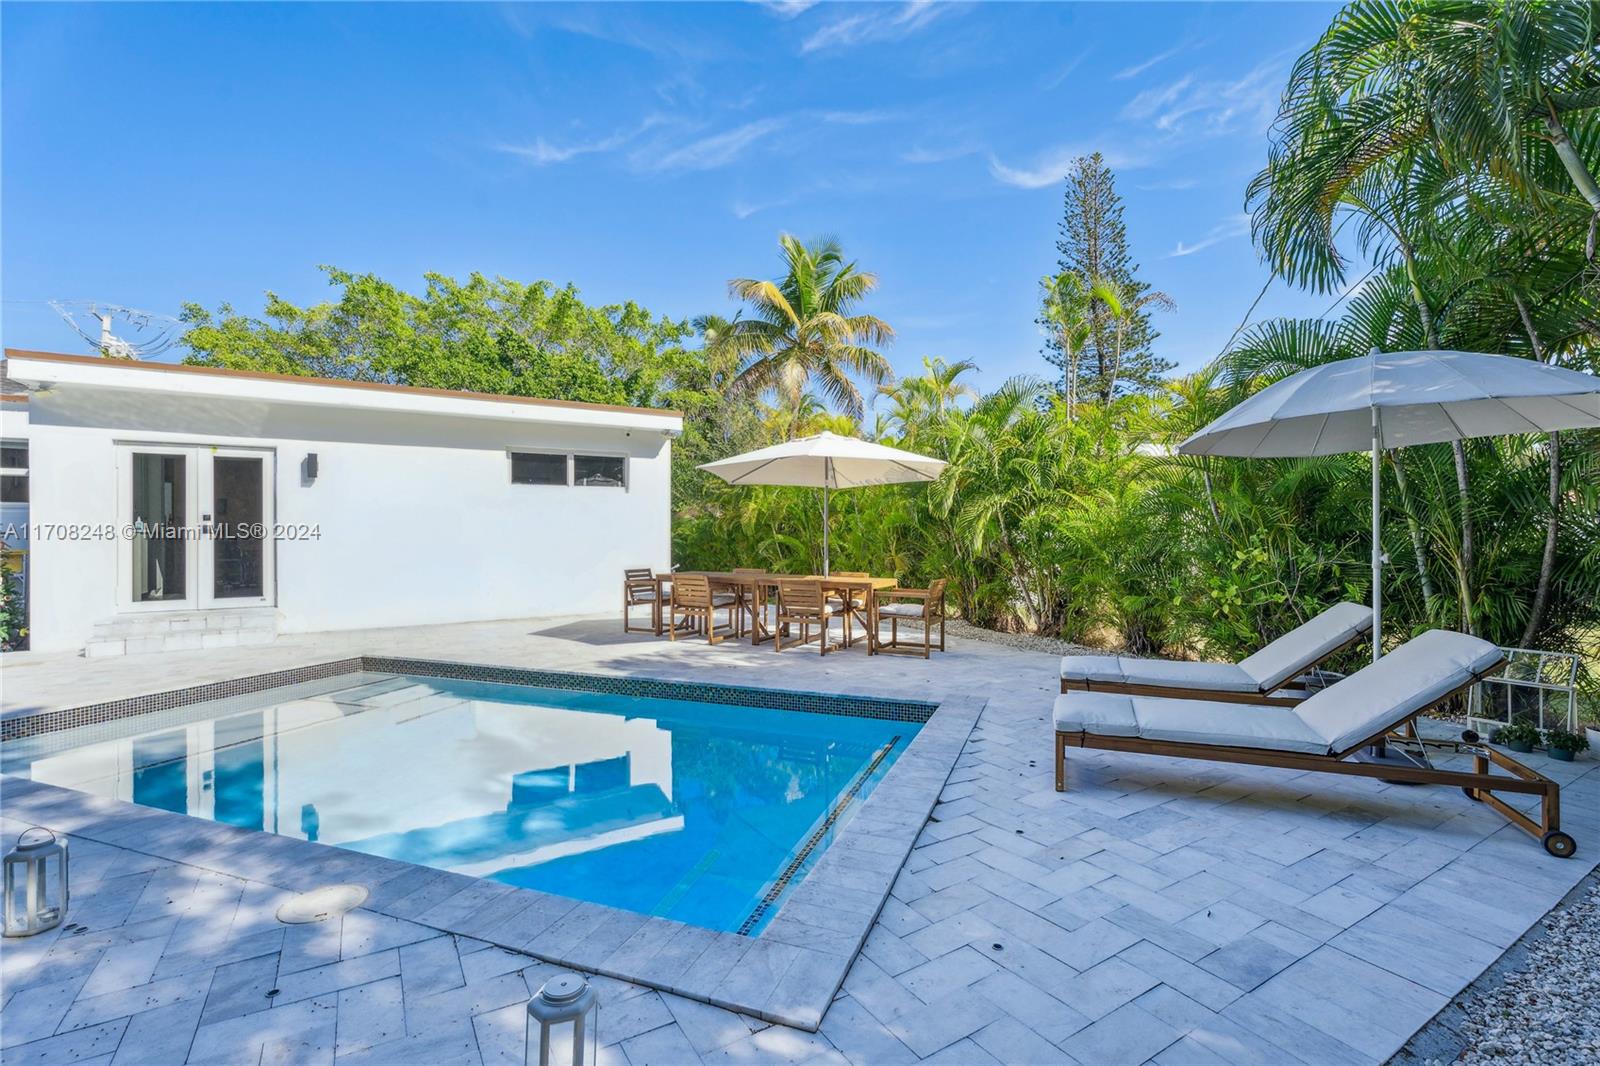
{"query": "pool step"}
(133, 634)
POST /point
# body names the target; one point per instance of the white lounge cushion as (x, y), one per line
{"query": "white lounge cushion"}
(1411, 678)
(903, 610)
(1305, 644)
(1288, 656)
(1233, 725)
(1103, 713)
(1092, 668)
(1123, 670)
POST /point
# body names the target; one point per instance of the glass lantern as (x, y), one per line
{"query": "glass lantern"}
(35, 883)
(563, 1023)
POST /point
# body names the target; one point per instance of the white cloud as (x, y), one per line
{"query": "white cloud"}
(1052, 165)
(1193, 104)
(1144, 65)
(875, 24)
(708, 153)
(542, 153)
(1061, 74)
(1234, 226)
(788, 9)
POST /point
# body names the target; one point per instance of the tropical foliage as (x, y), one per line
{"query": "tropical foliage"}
(1432, 164)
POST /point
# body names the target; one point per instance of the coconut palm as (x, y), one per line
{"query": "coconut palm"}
(802, 331)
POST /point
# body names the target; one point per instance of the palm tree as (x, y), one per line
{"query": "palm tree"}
(1068, 299)
(802, 330)
(1126, 306)
(929, 395)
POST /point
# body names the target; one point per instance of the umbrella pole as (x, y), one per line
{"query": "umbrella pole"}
(826, 477)
(1377, 545)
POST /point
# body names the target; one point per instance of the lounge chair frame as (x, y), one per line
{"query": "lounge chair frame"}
(1299, 692)
(1479, 783)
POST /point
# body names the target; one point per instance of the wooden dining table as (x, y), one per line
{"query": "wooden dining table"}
(759, 587)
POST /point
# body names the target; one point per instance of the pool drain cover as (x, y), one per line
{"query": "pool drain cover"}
(323, 903)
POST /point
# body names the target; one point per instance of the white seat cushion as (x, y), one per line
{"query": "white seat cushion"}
(722, 599)
(1411, 678)
(1233, 725)
(1104, 713)
(1123, 670)
(1286, 657)
(1307, 644)
(1092, 668)
(642, 597)
(902, 610)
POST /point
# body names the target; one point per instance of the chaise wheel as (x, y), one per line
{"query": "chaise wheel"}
(1472, 794)
(1559, 844)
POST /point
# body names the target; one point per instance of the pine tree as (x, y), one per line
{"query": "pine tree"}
(1093, 244)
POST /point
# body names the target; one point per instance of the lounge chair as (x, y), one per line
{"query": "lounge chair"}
(1262, 678)
(1321, 732)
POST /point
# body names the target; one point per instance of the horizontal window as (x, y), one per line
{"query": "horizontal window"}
(609, 471)
(538, 468)
(14, 488)
(14, 455)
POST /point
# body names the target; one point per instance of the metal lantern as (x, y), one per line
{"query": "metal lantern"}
(563, 1023)
(35, 883)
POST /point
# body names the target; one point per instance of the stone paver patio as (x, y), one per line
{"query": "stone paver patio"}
(1160, 910)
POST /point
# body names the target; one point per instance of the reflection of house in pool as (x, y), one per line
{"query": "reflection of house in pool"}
(603, 778)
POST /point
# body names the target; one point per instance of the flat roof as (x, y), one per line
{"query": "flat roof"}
(102, 362)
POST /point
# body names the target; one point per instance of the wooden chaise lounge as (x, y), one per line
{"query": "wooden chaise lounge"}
(1321, 732)
(1265, 677)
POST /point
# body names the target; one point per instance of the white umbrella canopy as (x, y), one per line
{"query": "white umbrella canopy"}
(826, 461)
(1395, 399)
(1406, 398)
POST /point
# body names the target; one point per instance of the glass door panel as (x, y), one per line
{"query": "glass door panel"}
(159, 541)
(238, 537)
(236, 503)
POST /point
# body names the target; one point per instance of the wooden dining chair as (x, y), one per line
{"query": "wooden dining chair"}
(639, 590)
(851, 604)
(924, 607)
(693, 601)
(803, 604)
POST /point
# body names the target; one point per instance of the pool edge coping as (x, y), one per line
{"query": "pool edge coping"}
(789, 973)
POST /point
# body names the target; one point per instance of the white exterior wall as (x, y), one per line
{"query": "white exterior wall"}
(419, 520)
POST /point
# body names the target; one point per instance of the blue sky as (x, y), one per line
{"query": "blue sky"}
(158, 154)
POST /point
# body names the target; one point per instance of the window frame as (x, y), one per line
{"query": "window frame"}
(571, 458)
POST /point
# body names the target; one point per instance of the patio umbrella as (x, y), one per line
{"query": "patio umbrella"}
(826, 461)
(1395, 399)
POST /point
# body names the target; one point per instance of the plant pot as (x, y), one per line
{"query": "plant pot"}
(1521, 747)
(1594, 737)
(1560, 754)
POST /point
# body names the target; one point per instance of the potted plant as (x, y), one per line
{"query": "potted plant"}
(1520, 737)
(1564, 745)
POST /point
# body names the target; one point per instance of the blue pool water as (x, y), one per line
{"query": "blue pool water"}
(674, 808)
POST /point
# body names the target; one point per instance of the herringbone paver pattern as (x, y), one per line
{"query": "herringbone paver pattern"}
(1160, 910)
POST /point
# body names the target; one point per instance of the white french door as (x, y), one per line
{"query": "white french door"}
(199, 527)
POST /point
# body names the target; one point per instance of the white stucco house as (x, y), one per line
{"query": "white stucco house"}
(177, 506)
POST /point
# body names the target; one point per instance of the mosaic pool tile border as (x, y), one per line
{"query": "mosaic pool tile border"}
(18, 727)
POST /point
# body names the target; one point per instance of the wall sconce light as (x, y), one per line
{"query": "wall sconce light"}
(308, 468)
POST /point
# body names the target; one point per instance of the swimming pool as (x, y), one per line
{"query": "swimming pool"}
(703, 812)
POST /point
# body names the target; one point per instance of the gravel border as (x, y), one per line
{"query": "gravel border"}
(1538, 1005)
(1025, 641)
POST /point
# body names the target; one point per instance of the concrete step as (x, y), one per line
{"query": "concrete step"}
(132, 634)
